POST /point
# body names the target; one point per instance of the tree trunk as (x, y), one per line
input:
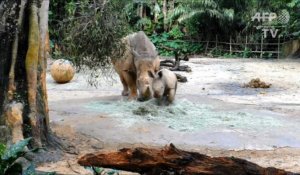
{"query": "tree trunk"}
(156, 14)
(172, 5)
(165, 13)
(23, 94)
(171, 160)
(140, 10)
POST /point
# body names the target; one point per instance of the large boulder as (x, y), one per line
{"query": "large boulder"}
(62, 71)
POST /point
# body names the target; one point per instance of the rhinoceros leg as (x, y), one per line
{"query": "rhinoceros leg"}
(171, 95)
(125, 91)
(130, 80)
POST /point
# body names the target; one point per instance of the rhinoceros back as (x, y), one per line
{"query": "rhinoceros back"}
(141, 44)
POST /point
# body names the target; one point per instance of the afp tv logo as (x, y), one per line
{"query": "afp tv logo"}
(271, 23)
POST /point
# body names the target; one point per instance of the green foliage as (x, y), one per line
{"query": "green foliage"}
(294, 27)
(247, 53)
(145, 24)
(88, 32)
(102, 171)
(176, 33)
(15, 151)
(216, 52)
(166, 47)
(98, 170)
(9, 157)
(30, 170)
(71, 8)
(228, 55)
(190, 8)
(269, 55)
(8, 163)
(2, 149)
(93, 32)
(203, 19)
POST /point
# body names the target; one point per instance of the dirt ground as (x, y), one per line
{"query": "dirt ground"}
(217, 115)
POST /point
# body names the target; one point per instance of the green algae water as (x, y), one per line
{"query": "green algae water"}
(184, 115)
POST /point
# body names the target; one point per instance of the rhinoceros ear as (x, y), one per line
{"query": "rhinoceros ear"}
(160, 74)
(151, 74)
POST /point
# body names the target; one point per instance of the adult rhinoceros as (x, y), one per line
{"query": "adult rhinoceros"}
(137, 66)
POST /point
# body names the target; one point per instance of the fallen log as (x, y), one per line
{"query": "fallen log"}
(167, 62)
(181, 68)
(175, 65)
(171, 160)
(181, 79)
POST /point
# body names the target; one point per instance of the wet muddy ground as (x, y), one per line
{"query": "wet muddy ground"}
(212, 114)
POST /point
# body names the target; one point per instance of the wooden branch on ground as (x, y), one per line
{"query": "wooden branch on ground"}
(181, 79)
(168, 62)
(171, 160)
(166, 65)
(176, 64)
(181, 68)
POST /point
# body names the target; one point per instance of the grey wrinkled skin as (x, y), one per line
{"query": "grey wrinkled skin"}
(164, 87)
(145, 59)
(139, 61)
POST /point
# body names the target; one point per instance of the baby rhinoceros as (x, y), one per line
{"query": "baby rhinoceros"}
(164, 86)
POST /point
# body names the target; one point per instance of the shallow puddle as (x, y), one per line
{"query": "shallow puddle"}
(184, 115)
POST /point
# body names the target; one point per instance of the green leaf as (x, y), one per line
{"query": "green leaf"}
(112, 172)
(51, 173)
(95, 170)
(14, 150)
(2, 149)
(98, 170)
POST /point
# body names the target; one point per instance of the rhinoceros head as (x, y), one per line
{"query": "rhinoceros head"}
(146, 67)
